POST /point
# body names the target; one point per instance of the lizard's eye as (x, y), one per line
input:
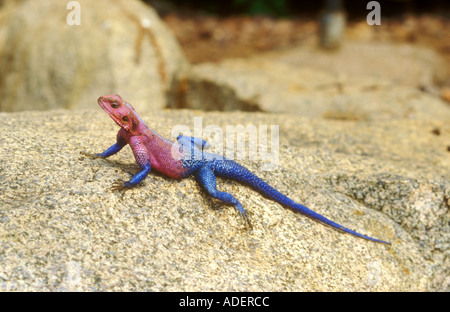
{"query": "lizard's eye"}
(114, 104)
(125, 118)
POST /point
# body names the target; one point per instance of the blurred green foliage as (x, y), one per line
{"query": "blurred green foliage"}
(290, 8)
(262, 7)
(246, 7)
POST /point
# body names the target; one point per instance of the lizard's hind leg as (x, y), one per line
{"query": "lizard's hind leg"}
(205, 176)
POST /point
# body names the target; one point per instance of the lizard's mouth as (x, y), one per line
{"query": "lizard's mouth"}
(105, 103)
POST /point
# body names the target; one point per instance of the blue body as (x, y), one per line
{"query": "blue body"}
(207, 166)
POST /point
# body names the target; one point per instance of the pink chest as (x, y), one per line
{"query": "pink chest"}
(165, 159)
(150, 146)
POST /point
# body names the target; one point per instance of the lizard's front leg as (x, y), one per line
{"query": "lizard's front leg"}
(141, 154)
(113, 149)
(121, 185)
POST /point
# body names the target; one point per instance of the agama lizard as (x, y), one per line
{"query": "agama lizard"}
(186, 157)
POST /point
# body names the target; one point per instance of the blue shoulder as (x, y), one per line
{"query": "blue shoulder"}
(189, 141)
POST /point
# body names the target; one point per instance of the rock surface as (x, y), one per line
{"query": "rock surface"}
(354, 83)
(399, 63)
(120, 47)
(62, 228)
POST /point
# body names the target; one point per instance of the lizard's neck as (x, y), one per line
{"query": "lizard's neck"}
(143, 129)
(140, 128)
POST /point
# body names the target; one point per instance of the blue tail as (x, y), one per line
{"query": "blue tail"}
(230, 169)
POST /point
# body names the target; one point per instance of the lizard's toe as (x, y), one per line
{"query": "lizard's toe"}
(243, 214)
(120, 186)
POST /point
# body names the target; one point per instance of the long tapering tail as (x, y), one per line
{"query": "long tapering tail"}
(230, 169)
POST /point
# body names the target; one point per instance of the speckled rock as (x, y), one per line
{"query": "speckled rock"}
(62, 228)
(119, 47)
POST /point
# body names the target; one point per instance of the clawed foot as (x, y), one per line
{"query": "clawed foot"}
(243, 214)
(248, 224)
(120, 186)
(93, 156)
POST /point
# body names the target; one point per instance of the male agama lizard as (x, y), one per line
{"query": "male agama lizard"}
(186, 157)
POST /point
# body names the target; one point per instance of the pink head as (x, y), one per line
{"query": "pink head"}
(120, 111)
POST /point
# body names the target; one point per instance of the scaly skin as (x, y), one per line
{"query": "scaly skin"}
(186, 157)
